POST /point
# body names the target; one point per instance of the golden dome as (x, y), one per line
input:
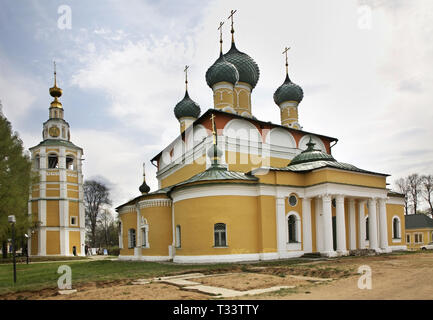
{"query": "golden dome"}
(56, 92)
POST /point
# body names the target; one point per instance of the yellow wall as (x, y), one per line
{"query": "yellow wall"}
(198, 216)
(53, 213)
(427, 237)
(74, 240)
(53, 178)
(242, 100)
(34, 243)
(185, 173)
(223, 97)
(74, 212)
(160, 230)
(129, 221)
(391, 211)
(53, 242)
(267, 239)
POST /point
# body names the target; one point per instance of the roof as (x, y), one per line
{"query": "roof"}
(288, 91)
(418, 221)
(217, 173)
(56, 142)
(237, 116)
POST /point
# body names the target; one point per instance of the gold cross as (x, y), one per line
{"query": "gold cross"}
(221, 35)
(186, 77)
(287, 62)
(55, 73)
(213, 127)
(231, 17)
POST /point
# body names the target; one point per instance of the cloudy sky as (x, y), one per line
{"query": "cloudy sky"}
(365, 67)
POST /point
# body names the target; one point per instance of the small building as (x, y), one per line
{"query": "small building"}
(419, 230)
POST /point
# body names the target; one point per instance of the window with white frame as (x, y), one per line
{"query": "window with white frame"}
(418, 238)
(408, 238)
(220, 235)
(292, 229)
(396, 228)
(74, 221)
(53, 161)
(120, 235)
(178, 237)
(131, 238)
(70, 164)
(37, 162)
(145, 236)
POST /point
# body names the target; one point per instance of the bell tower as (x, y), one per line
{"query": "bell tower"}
(56, 201)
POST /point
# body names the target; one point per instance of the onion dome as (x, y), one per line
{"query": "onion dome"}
(220, 71)
(310, 155)
(144, 188)
(214, 152)
(248, 69)
(288, 91)
(187, 108)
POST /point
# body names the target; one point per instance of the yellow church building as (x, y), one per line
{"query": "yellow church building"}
(234, 188)
(56, 201)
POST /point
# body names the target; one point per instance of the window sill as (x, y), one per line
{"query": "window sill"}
(221, 247)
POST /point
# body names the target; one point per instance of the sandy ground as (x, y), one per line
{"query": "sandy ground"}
(393, 277)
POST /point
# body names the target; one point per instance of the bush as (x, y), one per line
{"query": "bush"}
(113, 251)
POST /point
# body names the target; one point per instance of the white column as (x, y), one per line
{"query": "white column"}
(372, 224)
(137, 249)
(306, 225)
(281, 227)
(361, 224)
(341, 226)
(383, 226)
(318, 219)
(328, 249)
(352, 225)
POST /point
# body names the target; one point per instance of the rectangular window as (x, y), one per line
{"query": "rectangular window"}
(418, 238)
(74, 221)
(408, 238)
(131, 238)
(144, 237)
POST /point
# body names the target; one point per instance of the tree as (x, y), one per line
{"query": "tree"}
(427, 191)
(96, 195)
(414, 182)
(16, 178)
(403, 187)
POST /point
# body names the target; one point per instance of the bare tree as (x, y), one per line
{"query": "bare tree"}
(96, 195)
(427, 190)
(414, 183)
(403, 187)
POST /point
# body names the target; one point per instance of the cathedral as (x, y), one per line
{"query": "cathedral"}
(235, 188)
(56, 201)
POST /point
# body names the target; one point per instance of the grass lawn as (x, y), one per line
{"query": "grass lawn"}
(38, 276)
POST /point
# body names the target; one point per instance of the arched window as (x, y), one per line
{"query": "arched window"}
(291, 221)
(396, 232)
(70, 164)
(53, 161)
(178, 237)
(131, 238)
(366, 228)
(220, 235)
(37, 162)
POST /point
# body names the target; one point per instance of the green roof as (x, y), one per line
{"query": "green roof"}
(55, 142)
(418, 221)
(248, 69)
(220, 71)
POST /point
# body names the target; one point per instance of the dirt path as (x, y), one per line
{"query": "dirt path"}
(406, 276)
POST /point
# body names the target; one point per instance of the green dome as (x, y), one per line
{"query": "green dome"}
(187, 108)
(220, 71)
(248, 69)
(288, 91)
(311, 155)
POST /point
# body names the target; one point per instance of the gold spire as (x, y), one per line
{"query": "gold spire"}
(232, 12)
(55, 91)
(287, 61)
(220, 28)
(213, 129)
(186, 77)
